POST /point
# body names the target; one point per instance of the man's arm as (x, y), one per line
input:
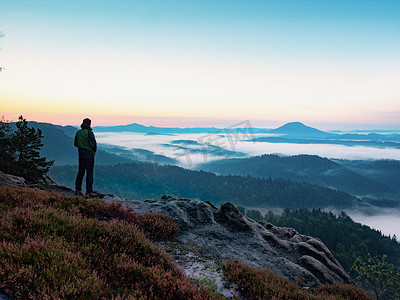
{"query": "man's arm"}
(92, 139)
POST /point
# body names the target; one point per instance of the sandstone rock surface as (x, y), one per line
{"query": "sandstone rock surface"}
(225, 233)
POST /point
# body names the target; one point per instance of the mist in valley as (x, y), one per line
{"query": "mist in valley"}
(239, 143)
(387, 220)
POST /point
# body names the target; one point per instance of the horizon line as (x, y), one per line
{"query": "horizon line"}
(224, 127)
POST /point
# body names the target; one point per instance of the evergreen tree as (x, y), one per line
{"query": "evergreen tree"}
(27, 143)
(6, 150)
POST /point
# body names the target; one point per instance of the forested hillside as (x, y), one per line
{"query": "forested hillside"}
(387, 171)
(358, 180)
(145, 180)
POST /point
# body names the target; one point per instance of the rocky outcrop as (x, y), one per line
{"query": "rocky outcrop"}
(7, 179)
(46, 183)
(225, 233)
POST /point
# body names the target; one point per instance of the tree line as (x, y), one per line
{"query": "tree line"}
(339, 174)
(141, 181)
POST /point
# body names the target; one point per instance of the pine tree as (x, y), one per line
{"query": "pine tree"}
(27, 143)
(7, 159)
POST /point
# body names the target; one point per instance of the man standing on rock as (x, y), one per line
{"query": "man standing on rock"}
(87, 147)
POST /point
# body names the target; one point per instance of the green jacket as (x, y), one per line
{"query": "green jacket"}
(85, 142)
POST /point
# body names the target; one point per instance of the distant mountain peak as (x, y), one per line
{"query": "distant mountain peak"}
(299, 129)
(295, 124)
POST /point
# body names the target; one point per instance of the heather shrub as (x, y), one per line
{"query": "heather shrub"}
(345, 291)
(155, 283)
(155, 225)
(255, 283)
(103, 240)
(95, 239)
(40, 267)
(53, 246)
(158, 226)
(11, 196)
(117, 210)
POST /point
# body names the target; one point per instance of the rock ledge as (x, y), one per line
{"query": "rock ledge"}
(225, 233)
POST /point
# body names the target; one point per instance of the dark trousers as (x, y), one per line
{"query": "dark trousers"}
(85, 165)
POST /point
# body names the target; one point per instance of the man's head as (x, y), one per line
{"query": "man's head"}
(86, 123)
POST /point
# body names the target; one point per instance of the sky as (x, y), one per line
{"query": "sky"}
(332, 64)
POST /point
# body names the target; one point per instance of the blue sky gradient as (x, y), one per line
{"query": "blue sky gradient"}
(326, 63)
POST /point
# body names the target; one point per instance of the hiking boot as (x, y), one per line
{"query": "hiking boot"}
(78, 193)
(91, 194)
